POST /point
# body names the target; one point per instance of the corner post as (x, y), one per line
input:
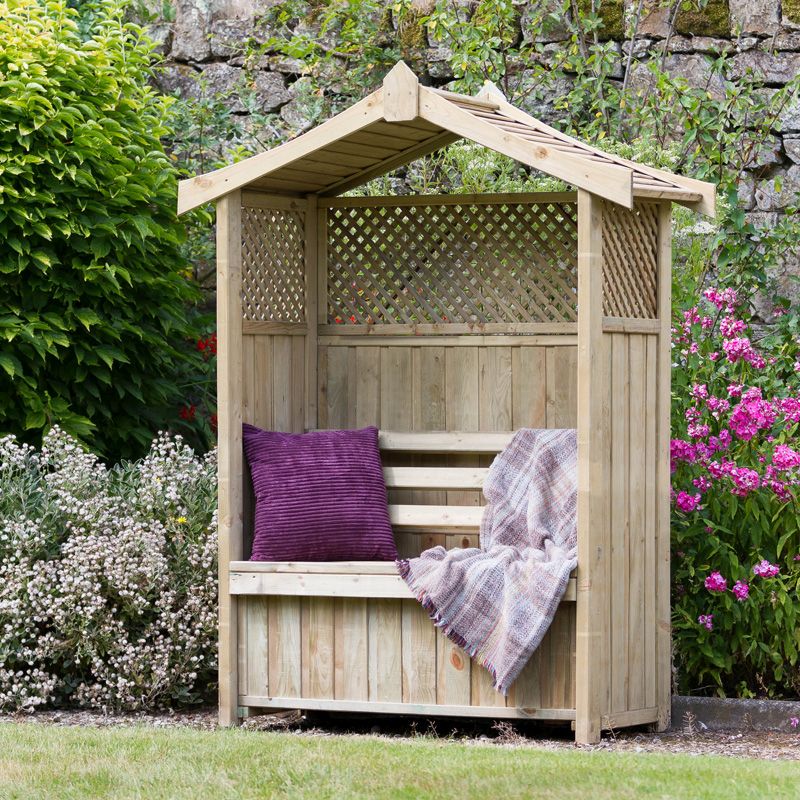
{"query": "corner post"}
(664, 398)
(592, 636)
(229, 415)
(311, 249)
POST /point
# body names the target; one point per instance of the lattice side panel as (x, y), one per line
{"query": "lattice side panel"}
(630, 267)
(273, 265)
(471, 263)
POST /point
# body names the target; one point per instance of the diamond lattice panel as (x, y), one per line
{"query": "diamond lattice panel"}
(470, 263)
(630, 267)
(273, 265)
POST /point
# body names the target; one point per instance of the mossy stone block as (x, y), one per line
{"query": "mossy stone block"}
(713, 20)
(612, 13)
(791, 10)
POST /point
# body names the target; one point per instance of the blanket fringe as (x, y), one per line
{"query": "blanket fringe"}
(404, 568)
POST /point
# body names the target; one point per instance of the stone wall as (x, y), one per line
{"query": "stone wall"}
(203, 46)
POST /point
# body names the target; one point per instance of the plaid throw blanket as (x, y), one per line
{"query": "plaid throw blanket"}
(497, 601)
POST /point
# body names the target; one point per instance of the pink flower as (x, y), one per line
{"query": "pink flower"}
(702, 483)
(794, 721)
(735, 390)
(681, 450)
(727, 298)
(698, 431)
(713, 356)
(716, 583)
(718, 404)
(766, 570)
(700, 391)
(751, 415)
(706, 621)
(784, 458)
(706, 323)
(730, 326)
(708, 529)
(790, 408)
(738, 349)
(687, 502)
(744, 480)
(741, 590)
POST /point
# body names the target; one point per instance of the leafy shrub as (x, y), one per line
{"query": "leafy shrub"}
(107, 576)
(736, 525)
(93, 309)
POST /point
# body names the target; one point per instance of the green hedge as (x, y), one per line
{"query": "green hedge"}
(95, 290)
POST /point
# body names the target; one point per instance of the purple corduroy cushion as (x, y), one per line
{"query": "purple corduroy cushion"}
(320, 496)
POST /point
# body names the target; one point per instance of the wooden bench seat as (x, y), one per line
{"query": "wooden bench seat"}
(380, 579)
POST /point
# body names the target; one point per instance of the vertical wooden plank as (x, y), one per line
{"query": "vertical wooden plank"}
(461, 389)
(620, 518)
(529, 387)
(257, 682)
(526, 692)
(262, 381)
(495, 388)
(636, 552)
(229, 415)
(311, 252)
(650, 524)
(559, 649)
(336, 394)
(351, 653)
(428, 403)
(453, 673)
(562, 387)
(249, 405)
(298, 384)
(322, 393)
(385, 651)
(282, 382)
(285, 656)
(241, 642)
(248, 378)
(592, 652)
(318, 648)
(418, 654)
(663, 623)
(395, 388)
(368, 386)
(482, 693)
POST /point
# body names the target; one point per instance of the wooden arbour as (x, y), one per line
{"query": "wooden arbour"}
(448, 322)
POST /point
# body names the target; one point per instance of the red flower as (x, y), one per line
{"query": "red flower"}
(188, 412)
(213, 421)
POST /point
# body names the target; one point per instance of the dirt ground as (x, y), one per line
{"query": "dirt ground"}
(686, 737)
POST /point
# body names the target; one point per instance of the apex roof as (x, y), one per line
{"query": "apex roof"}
(402, 121)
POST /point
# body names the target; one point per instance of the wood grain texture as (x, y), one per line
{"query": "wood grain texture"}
(229, 411)
(592, 651)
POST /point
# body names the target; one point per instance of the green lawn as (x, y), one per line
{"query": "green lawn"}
(45, 762)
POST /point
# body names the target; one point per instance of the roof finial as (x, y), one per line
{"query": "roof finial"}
(400, 94)
(491, 91)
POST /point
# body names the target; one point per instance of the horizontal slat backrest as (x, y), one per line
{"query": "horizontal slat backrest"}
(438, 517)
(445, 441)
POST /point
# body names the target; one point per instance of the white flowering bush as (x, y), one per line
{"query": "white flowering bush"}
(108, 582)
